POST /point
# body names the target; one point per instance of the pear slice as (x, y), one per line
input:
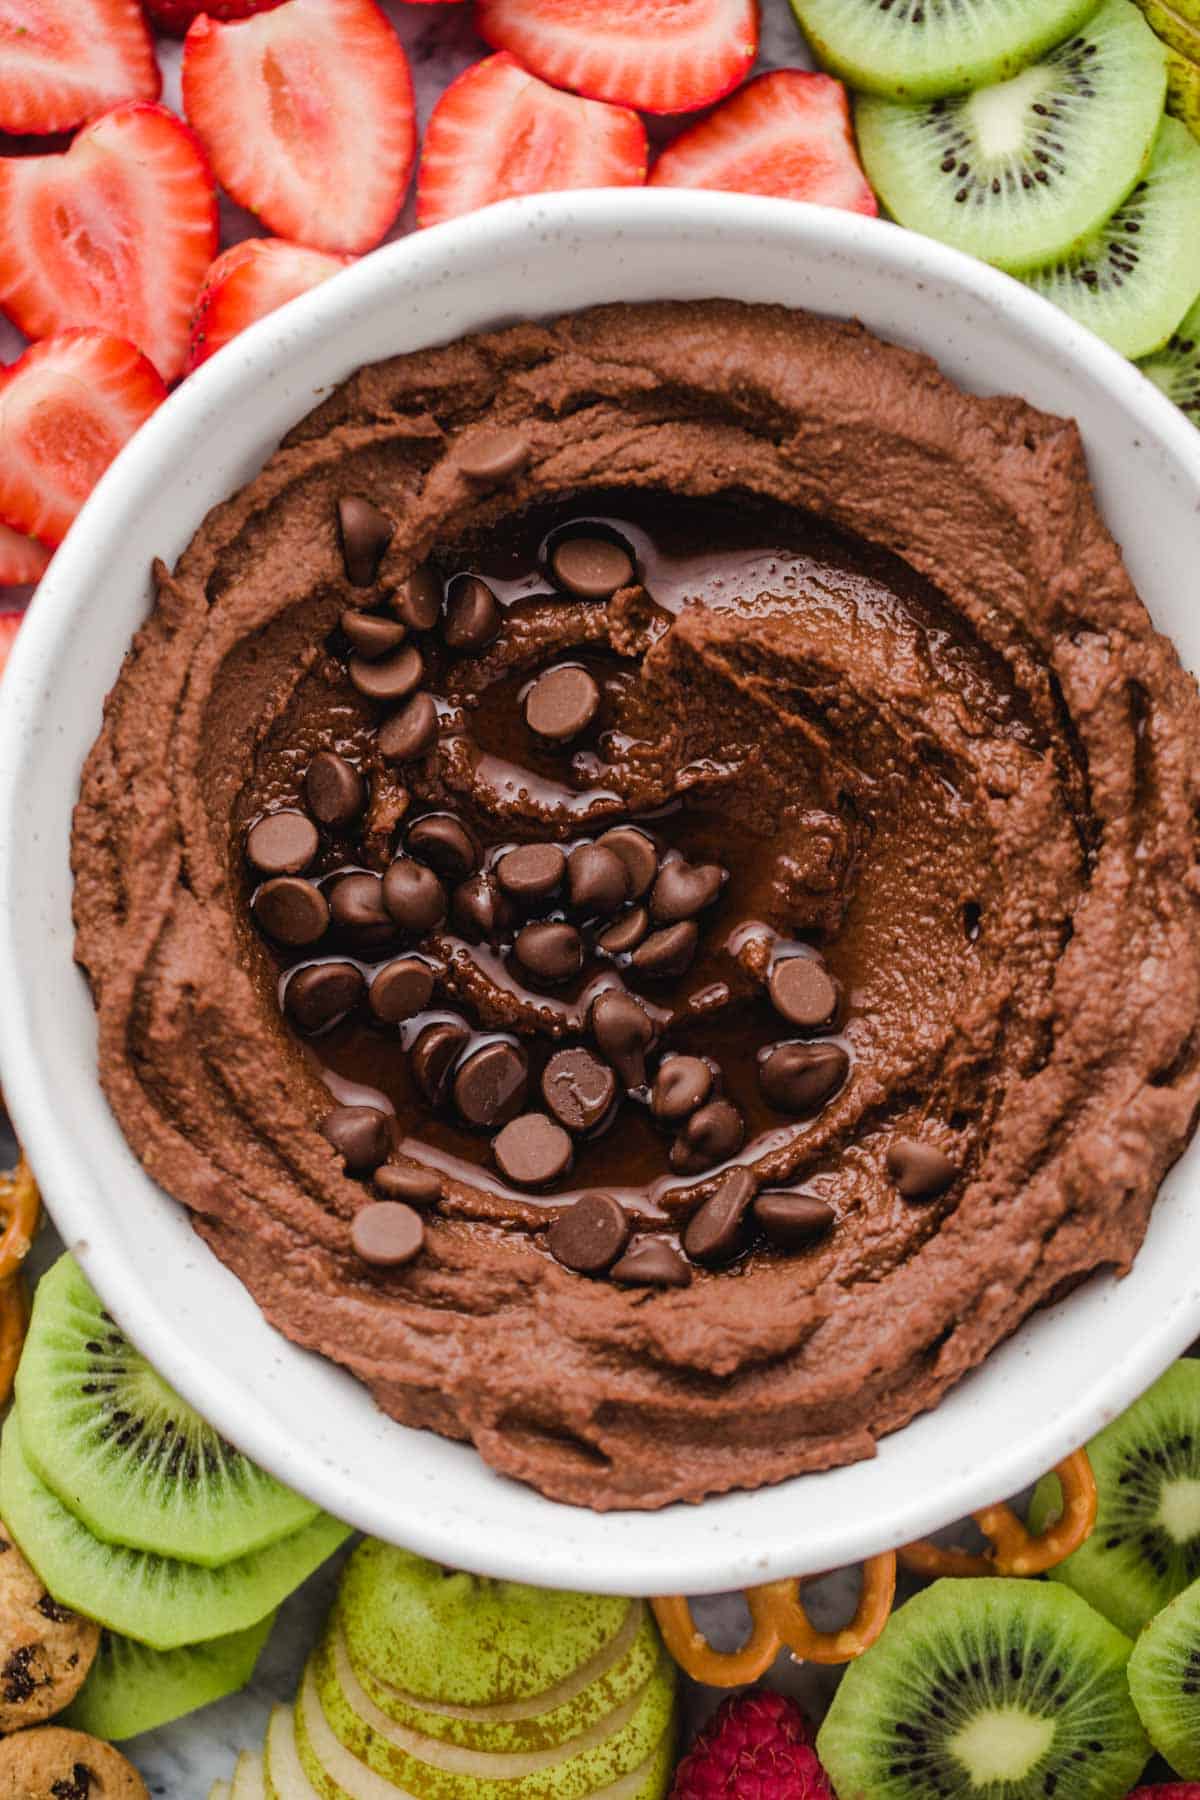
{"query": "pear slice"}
(219, 1791)
(248, 1778)
(336, 1774)
(286, 1779)
(540, 1721)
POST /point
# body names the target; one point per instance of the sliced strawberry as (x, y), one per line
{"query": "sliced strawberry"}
(121, 228)
(66, 408)
(10, 624)
(662, 56)
(22, 561)
(174, 16)
(249, 281)
(307, 114)
(787, 133)
(499, 131)
(64, 61)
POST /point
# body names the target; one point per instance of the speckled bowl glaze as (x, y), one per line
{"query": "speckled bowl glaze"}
(1066, 1372)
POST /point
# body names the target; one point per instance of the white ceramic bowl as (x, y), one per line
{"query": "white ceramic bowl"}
(1066, 1371)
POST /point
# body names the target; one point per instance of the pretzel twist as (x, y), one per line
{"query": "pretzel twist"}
(19, 1203)
(778, 1619)
(1014, 1549)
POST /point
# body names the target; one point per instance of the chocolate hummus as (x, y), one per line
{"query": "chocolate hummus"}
(640, 883)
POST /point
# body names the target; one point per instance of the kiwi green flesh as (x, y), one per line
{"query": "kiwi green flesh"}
(1132, 282)
(922, 49)
(1176, 367)
(1022, 172)
(131, 1688)
(1164, 1679)
(156, 1599)
(1005, 1690)
(124, 1453)
(1145, 1548)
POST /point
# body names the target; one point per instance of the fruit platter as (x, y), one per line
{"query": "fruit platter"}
(599, 899)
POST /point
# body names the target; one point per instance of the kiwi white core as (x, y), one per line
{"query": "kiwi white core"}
(998, 113)
(1179, 1509)
(1003, 1743)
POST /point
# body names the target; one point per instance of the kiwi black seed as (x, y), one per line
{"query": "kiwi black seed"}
(124, 1453)
(1132, 281)
(1145, 1548)
(1176, 367)
(1021, 172)
(991, 1688)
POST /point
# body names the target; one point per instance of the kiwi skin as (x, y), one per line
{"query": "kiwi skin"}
(1164, 1679)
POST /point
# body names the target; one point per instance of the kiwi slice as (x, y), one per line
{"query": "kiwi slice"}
(1176, 367)
(1008, 1690)
(160, 1601)
(1021, 172)
(1145, 1548)
(131, 1688)
(1164, 1679)
(124, 1453)
(922, 49)
(1133, 280)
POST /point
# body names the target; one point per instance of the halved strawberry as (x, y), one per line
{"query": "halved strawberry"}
(22, 561)
(64, 61)
(174, 16)
(121, 228)
(66, 408)
(249, 281)
(307, 114)
(662, 56)
(499, 131)
(10, 624)
(786, 133)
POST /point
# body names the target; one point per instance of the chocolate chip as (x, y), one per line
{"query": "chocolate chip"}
(531, 873)
(804, 992)
(683, 890)
(667, 952)
(360, 1134)
(792, 1221)
(370, 635)
(390, 677)
(652, 1262)
(411, 732)
(592, 568)
(578, 1089)
(334, 790)
(366, 534)
(410, 1182)
(590, 1235)
(552, 952)
(291, 911)
(472, 614)
(492, 455)
(797, 1078)
(714, 1231)
(283, 843)
(532, 1150)
(491, 1085)
(597, 879)
(638, 854)
(387, 1234)
(626, 933)
(418, 600)
(414, 896)
(356, 905)
(562, 703)
(443, 842)
(682, 1084)
(920, 1171)
(401, 988)
(713, 1134)
(434, 1055)
(316, 996)
(624, 1032)
(480, 909)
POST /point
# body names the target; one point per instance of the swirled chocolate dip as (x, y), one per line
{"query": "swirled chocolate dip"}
(640, 882)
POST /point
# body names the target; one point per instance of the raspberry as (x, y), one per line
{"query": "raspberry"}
(757, 1747)
(1168, 1790)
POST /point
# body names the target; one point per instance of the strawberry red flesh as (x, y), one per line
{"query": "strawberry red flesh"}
(64, 61)
(787, 134)
(22, 561)
(10, 624)
(66, 407)
(662, 56)
(307, 115)
(249, 281)
(499, 131)
(119, 229)
(174, 16)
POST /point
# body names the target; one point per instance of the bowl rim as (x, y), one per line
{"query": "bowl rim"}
(706, 1563)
